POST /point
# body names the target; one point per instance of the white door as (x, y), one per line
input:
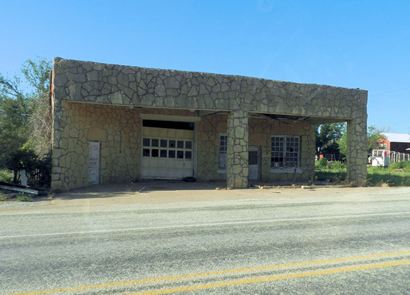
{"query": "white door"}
(93, 162)
(253, 163)
(167, 153)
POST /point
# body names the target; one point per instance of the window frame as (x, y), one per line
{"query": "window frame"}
(187, 146)
(284, 152)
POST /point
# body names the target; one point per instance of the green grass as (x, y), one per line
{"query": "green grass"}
(391, 176)
(3, 197)
(397, 174)
(23, 198)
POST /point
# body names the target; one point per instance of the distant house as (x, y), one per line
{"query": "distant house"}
(396, 142)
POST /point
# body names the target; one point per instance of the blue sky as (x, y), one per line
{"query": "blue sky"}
(356, 44)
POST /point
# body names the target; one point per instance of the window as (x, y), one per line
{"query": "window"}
(146, 152)
(167, 148)
(163, 153)
(163, 143)
(223, 140)
(154, 142)
(146, 142)
(285, 151)
(154, 153)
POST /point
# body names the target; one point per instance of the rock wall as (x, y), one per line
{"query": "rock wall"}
(260, 133)
(135, 86)
(357, 151)
(237, 153)
(118, 129)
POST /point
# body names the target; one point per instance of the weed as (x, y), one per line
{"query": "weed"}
(23, 198)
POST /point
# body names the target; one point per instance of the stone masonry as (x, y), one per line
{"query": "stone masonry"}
(237, 155)
(84, 93)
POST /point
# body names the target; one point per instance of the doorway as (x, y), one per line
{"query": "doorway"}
(253, 163)
(93, 162)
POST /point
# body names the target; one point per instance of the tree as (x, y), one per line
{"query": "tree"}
(374, 136)
(37, 75)
(327, 137)
(25, 120)
(13, 118)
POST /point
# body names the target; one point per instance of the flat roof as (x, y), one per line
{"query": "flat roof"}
(397, 137)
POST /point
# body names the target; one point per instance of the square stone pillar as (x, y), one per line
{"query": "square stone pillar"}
(56, 148)
(357, 151)
(237, 150)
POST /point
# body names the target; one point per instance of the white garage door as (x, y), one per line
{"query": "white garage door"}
(167, 153)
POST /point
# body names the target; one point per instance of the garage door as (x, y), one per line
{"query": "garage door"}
(167, 153)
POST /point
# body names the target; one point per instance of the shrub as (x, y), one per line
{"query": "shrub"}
(6, 176)
(322, 163)
(24, 198)
(38, 170)
(19, 160)
(405, 166)
(3, 197)
(336, 165)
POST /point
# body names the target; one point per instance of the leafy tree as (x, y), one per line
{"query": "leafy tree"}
(327, 137)
(14, 113)
(37, 75)
(25, 121)
(374, 136)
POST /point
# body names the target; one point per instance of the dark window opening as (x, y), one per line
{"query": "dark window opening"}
(163, 143)
(154, 142)
(145, 142)
(163, 153)
(168, 124)
(154, 153)
(145, 152)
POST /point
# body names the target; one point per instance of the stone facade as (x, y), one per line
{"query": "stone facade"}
(237, 154)
(102, 102)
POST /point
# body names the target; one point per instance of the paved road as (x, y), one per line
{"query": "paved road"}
(320, 242)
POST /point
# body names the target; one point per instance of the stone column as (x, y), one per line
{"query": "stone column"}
(57, 115)
(357, 151)
(237, 150)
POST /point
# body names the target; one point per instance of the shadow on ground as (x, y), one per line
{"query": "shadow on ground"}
(111, 190)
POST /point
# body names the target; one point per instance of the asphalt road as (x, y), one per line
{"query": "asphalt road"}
(353, 242)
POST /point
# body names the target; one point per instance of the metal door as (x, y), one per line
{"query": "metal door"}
(167, 153)
(253, 163)
(93, 162)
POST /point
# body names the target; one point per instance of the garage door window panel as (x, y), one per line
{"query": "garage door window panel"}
(146, 142)
(171, 154)
(146, 152)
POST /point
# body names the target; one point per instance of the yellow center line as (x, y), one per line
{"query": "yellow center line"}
(275, 277)
(232, 271)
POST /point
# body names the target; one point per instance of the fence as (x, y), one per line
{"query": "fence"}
(399, 157)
